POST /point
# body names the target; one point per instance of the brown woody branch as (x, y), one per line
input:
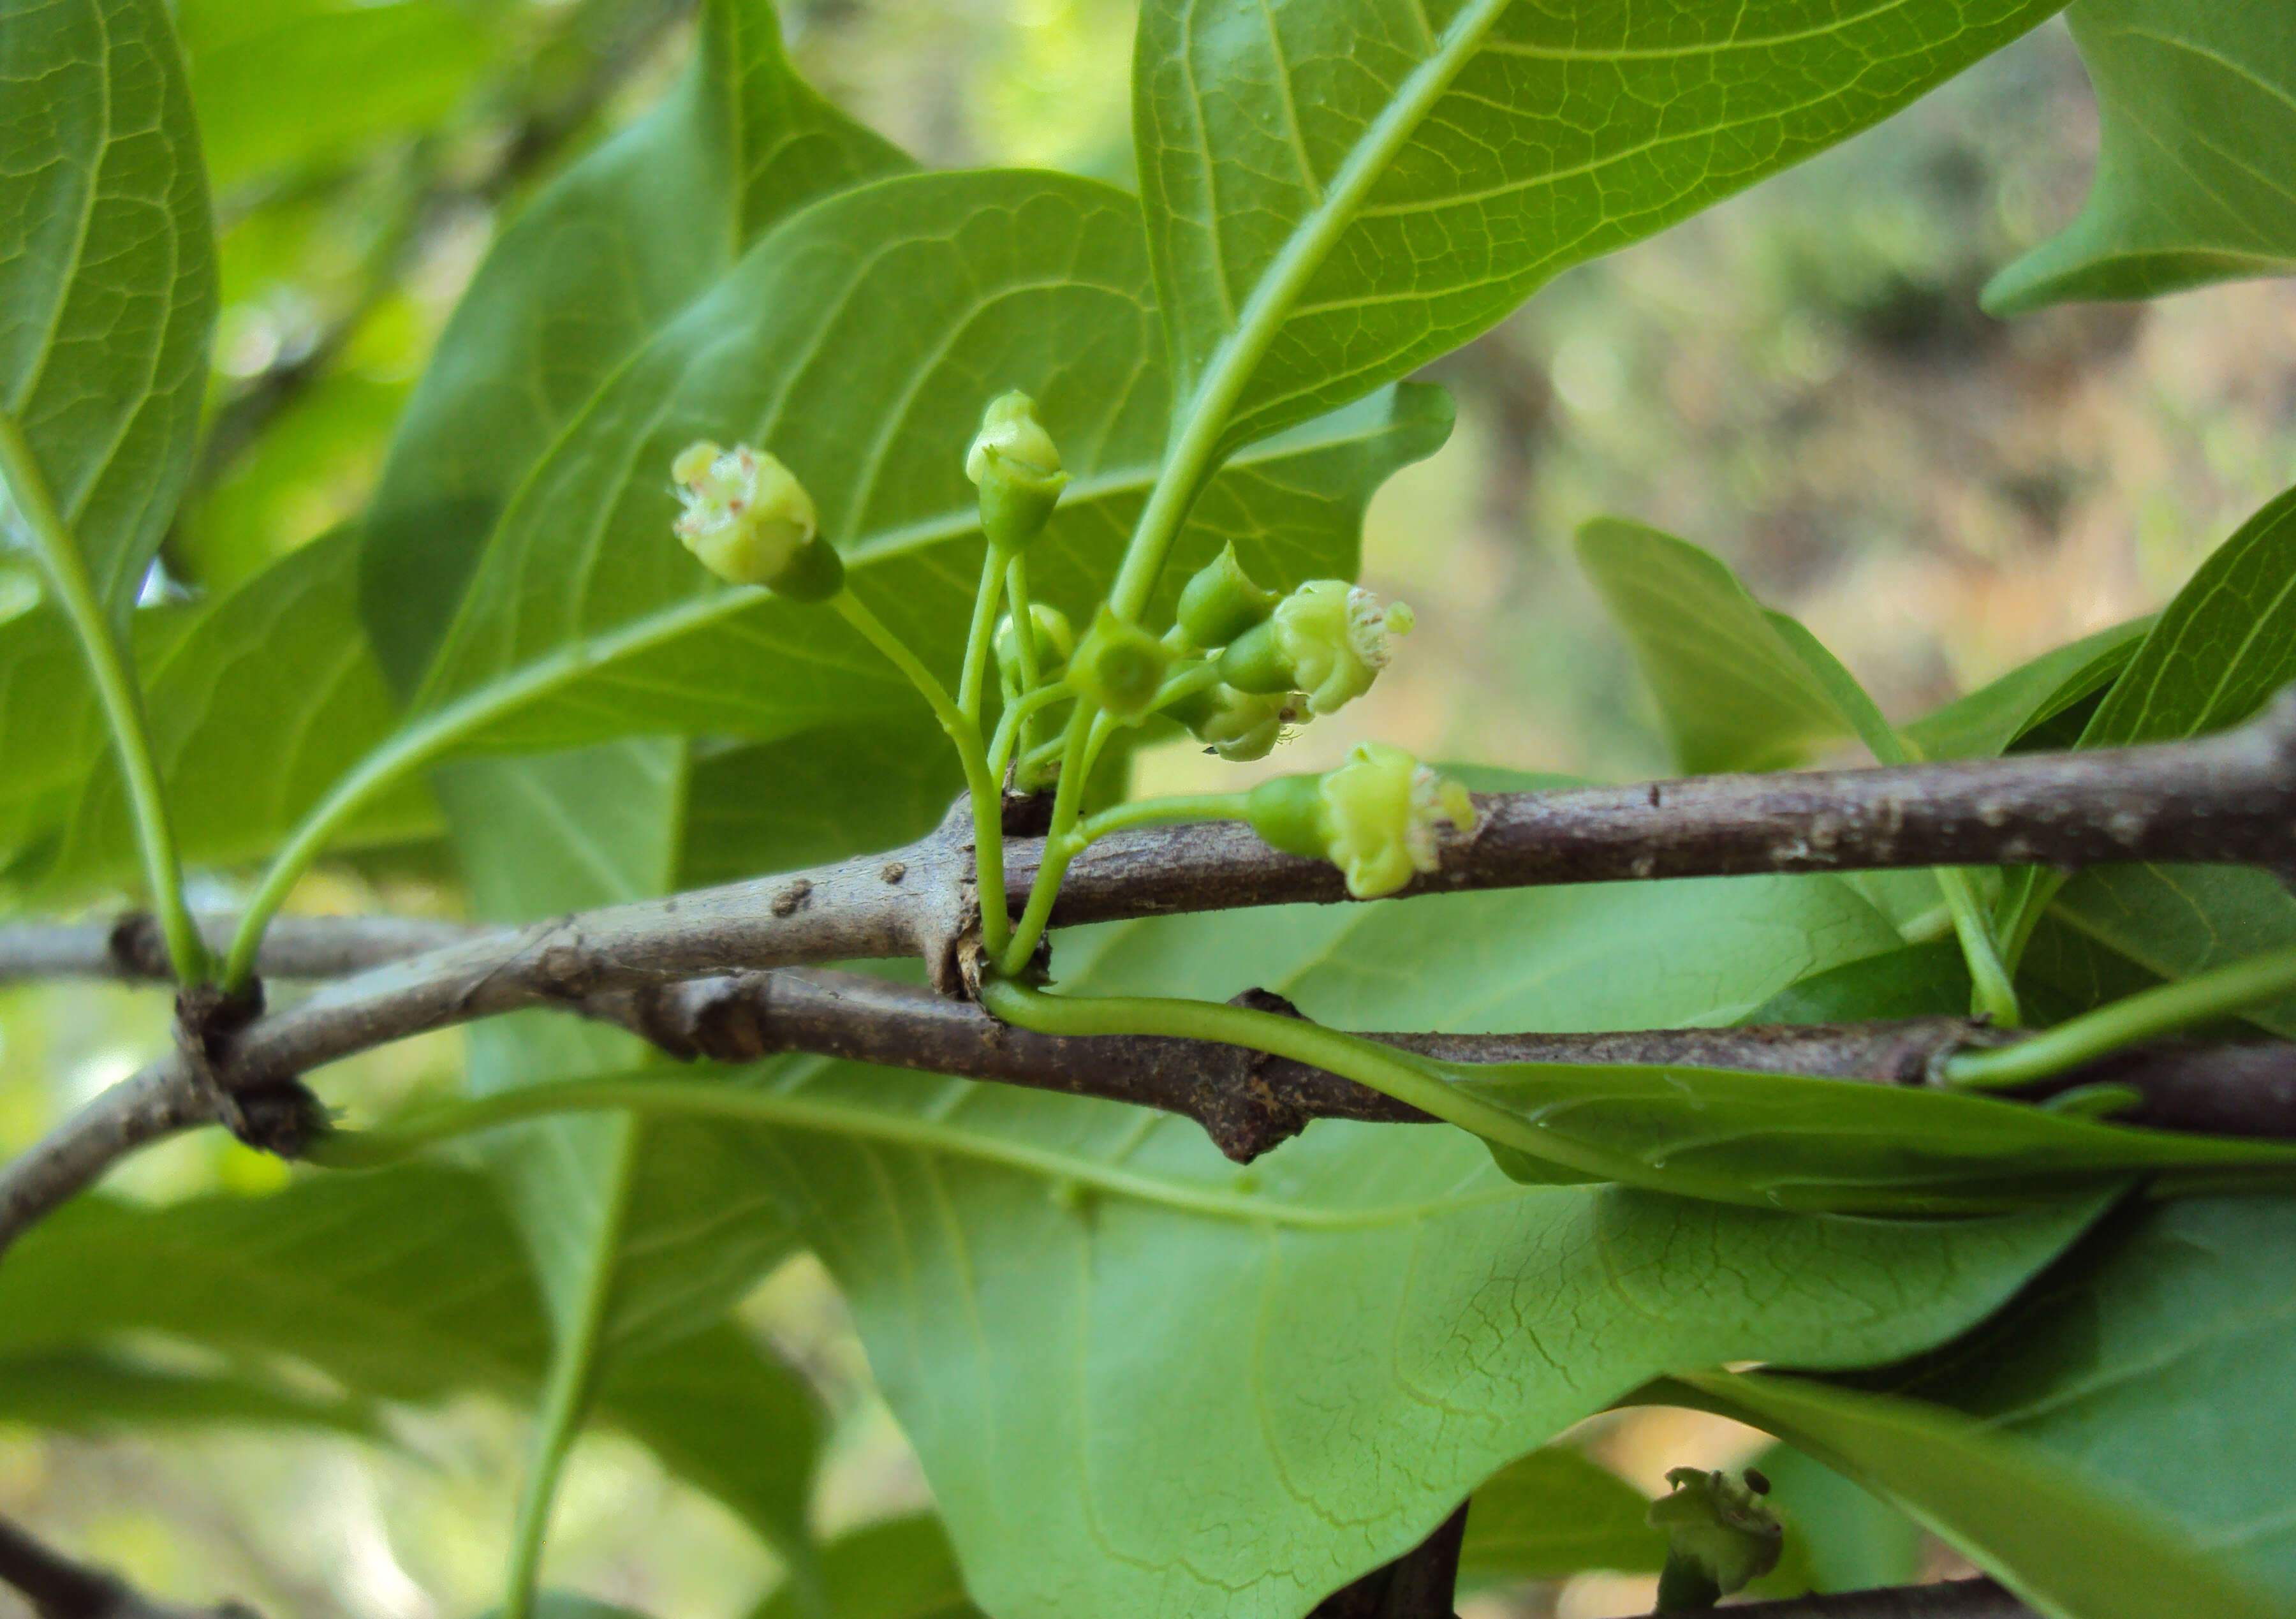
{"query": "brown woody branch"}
(58, 1588)
(2229, 798)
(1946, 1599)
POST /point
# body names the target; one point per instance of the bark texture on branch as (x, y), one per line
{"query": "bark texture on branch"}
(131, 947)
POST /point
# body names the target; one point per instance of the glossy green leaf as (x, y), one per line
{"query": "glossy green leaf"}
(107, 272)
(1919, 981)
(1734, 695)
(2152, 1363)
(2198, 105)
(1338, 192)
(1840, 1146)
(282, 85)
(600, 262)
(902, 1569)
(2067, 1547)
(256, 705)
(407, 1283)
(2217, 653)
(1997, 716)
(1043, 1280)
(779, 806)
(1554, 1513)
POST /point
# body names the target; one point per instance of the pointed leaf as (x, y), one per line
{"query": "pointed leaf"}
(1554, 1513)
(1995, 716)
(903, 1569)
(2198, 105)
(107, 272)
(1339, 192)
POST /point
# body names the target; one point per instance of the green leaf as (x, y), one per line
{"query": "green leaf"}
(1919, 981)
(601, 261)
(778, 806)
(1554, 1513)
(2198, 105)
(2217, 653)
(107, 272)
(407, 1283)
(1733, 694)
(257, 703)
(2151, 1362)
(1042, 1281)
(1995, 716)
(1840, 1146)
(2071, 1549)
(902, 1569)
(106, 1390)
(1339, 193)
(294, 84)
(571, 1605)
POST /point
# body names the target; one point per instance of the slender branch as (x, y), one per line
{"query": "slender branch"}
(58, 1588)
(132, 947)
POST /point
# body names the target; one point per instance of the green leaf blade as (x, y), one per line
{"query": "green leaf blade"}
(107, 272)
(2198, 105)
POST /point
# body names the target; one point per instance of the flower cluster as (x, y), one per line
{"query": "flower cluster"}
(1376, 818)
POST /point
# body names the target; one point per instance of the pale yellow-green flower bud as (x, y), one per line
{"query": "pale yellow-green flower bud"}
(1721, 1536)
(1336, 637)
(751, 523)
(1239, 726)
(1118, 667)
(1055, 641)
(1375, 818)
(1016, 468)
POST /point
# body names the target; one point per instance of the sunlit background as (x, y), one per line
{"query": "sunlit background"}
(1801, 380)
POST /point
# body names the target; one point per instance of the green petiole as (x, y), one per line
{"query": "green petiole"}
(2219, 992)
(984, 600)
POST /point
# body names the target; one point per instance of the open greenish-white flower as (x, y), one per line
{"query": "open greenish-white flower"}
(751, 523)
(1720, 1534)
(1328, 639)
(1016, 466)
(1376, 818)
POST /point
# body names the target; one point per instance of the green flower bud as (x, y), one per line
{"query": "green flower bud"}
(1220, 602)
(1237, 726)
(1721, 1535)
(1327, 638)
(1375, 818)
(1055, 641)
(751, 523)
(1119, 666)
(1017, 467)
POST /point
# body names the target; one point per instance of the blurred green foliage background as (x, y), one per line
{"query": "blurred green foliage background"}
(1801, 380)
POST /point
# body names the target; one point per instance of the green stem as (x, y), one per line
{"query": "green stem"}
(1158, 812)
(1024, 636)
(123, 704)
(1991, 992)
(2219, 992)
(987, 795)
(566, 1395)
(1011, 725)
(1383, 1068)
(977, 642)
(2023, 904)
(1066, 799)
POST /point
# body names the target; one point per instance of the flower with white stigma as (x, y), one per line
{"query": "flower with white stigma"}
(751, 523)
(1375, 818)
(1328, 639)
(1721, 1536)
(1016, 465)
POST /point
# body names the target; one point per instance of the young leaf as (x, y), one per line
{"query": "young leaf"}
(2058, 1540)
(1734, 695)
(1838, 1537)
(1339, 193)
(1554, 1513)
(1995, 716)
(107, 274)
(2198, 105)
(2151, 1363)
